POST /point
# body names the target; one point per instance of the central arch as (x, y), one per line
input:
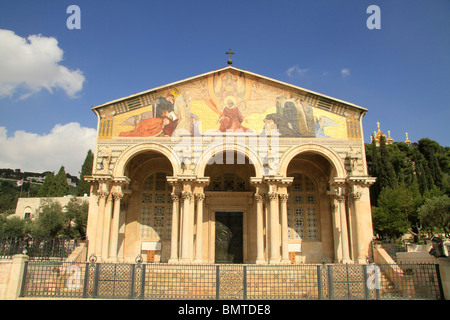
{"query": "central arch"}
(229, 206)
(216, 150)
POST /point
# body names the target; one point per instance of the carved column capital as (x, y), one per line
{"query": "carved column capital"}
(186, 195)
(175, 197)
(259, 198)
(272, 196)
(199, 196)
(356, 196)
(283, 197)
(117, 195)
(103, 194)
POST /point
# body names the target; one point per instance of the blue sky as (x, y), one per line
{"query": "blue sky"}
(400, 73)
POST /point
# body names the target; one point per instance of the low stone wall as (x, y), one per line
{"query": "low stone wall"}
(5, 269)
(419, 255)
(11, 275)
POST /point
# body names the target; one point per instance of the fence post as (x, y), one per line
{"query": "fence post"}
(133, 270)
(86, 280)
(142, 291)
(366, 286)
(16, 274)
(330, 282)
(217, 282)
(96, 276)
(245, 282)
(319, 282)
(24, 279)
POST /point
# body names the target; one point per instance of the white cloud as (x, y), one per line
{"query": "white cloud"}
(295, 71)
(33, 64)
(65, 145)
(345, 72)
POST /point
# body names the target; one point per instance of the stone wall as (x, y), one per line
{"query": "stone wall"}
(31, 205)
(5, 269)
(11, 275)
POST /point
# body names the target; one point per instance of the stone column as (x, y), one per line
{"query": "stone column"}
(284, 228)
(185, 239)
(175, 226)
(259, 230)
(359, 254)
(199, 197)
(117, 196)
(344, 230)
(107, 227)
(274, 228)
(102, 196)
(334, 207)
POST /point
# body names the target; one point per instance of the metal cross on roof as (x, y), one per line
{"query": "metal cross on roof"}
(229, 53)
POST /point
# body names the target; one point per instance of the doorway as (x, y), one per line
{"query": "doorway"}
(229, 237)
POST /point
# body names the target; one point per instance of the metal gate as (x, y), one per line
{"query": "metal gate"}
(231, 281)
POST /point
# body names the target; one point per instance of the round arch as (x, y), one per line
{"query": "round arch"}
(214, 150)
(328, 154)
(131, 152)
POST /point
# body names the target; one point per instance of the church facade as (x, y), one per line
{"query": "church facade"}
(230, 167)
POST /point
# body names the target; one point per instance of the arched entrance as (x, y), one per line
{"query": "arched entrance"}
(147, 210)
(311, 224)
(229, 208)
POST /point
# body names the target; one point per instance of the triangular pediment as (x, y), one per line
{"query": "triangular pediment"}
(229, 100)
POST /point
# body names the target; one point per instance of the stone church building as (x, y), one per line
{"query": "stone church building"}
(230, 167)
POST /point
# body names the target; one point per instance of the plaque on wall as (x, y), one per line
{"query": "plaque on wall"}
(295, 247)
(150, 245)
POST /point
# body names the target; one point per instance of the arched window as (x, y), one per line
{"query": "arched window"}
(156, 212)
(302, 207)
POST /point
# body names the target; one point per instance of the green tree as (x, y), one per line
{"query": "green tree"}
(430, 149)
(50, 222)
(12, 227)
(435, 213)
(374, 172)
(61, 185)
(76, 212)
(86, 170)
(396, 211)
(47, 187)
(55, 186)
(386, 172)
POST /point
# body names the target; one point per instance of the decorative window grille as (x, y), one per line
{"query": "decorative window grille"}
(156, 208)
(228, 181)
(302, 209)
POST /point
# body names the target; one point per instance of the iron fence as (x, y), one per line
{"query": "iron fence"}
(37, 249)
(249, 282)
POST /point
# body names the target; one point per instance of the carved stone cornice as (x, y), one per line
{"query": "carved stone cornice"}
(98, 178)
(362, 181)
(339, 182)
(121, 181)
